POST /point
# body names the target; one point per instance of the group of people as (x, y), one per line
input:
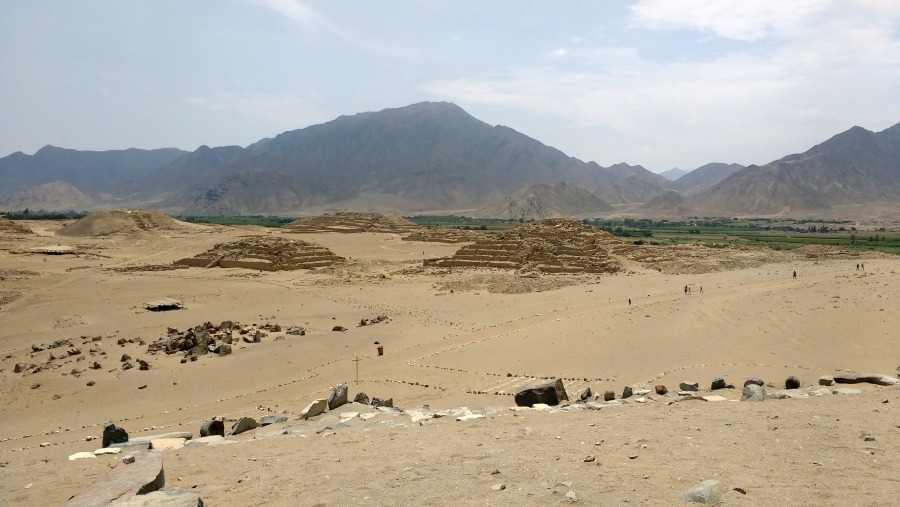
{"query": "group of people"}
(687, 289)
(861, 266)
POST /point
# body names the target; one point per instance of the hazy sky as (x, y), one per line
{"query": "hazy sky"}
(661, 83)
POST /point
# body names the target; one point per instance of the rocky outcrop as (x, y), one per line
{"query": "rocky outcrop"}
(550, 392)
(143, 475)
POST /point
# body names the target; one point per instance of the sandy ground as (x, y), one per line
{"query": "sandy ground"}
(455, 338)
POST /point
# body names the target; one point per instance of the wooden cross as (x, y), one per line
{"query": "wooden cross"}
(356, 360)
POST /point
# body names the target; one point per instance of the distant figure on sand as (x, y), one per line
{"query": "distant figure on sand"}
(857, 266)
(685, 289)
(795, 275)
(629, 301)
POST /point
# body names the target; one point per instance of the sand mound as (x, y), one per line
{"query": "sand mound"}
(549, 246)
(7, 226)
(265, 254)
(119, 221)
(351, 221)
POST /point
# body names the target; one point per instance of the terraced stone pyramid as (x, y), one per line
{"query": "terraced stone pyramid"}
(264, 253)
(443, 235)
(548, 246)
(352, 222)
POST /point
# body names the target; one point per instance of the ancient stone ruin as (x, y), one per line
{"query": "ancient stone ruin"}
(7, 226)
(549, 246)
(120, 221)
(352, 222)
(265, 254)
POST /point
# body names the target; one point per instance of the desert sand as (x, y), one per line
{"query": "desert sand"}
(453, 338)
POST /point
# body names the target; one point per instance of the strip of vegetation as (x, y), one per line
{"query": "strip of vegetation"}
(28, 214)
(263, 220)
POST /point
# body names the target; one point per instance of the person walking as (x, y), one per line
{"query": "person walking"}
(795, 275)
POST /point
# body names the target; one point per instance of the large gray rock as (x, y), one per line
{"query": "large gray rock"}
(689, 385)
(272, 419)
(753, 392)
(212, 427)
(163, 498)
(361, 398)
(754, 380)
(140, 477)
(243, 424)
(707, 492)
(550, 392)
(113, 434)
(338, 397)
(866, 378)
(315, 408)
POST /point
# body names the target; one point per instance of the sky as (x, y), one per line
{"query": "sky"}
(660, 83)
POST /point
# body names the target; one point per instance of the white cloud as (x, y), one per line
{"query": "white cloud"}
(746, 20)
(558, 53)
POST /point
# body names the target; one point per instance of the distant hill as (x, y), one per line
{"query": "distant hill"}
(856, 166)
(537, 201)
(633, 188)
(704, 177)
(90, 171)
(427, 156)
(667, 203)
(673, 174)
(53, 196)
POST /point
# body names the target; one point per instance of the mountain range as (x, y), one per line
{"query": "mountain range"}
(433, 156)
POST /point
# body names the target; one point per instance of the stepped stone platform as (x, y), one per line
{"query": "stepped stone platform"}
(352, 222)
(265, 254)
(548, 246)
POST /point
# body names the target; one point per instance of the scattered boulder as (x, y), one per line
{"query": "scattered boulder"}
(144, 365)
(609, 395)
(113, 434)
(243, 424)
(753, 392)
(125, 358)
(272, 419)
(550, 392)
(707, 492)
(867, 378)
(339, 328)
(586, 394)
(20, 367)
(338, 397)
(315, 408)
(792, 382)
(718, 383)
(361, 398)
(661, 390)
(378, 402)
(826, 380)
(689, 385)
(212, 427)
(628, 392)
(143, 475)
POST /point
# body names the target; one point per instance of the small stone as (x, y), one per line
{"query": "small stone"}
(128, 459)
(868, 438)
(20, 367)
(125, 358)
(689, 385)
(586, 394)
(45, 444)
(826, 380)
(498, 487)
(91, 383)
(792, 382)
(718, 383)
(571, 496)
(740, 490)
(661, 390)
(633, 456)
(609, 395)
(628, 392)
(35, 385)
(707, 493)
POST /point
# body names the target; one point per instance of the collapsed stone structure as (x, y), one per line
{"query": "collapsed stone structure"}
(120, 221)
(7, 226)
(265, 254)
(550, 246)
(352, 222)
(435, 235)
